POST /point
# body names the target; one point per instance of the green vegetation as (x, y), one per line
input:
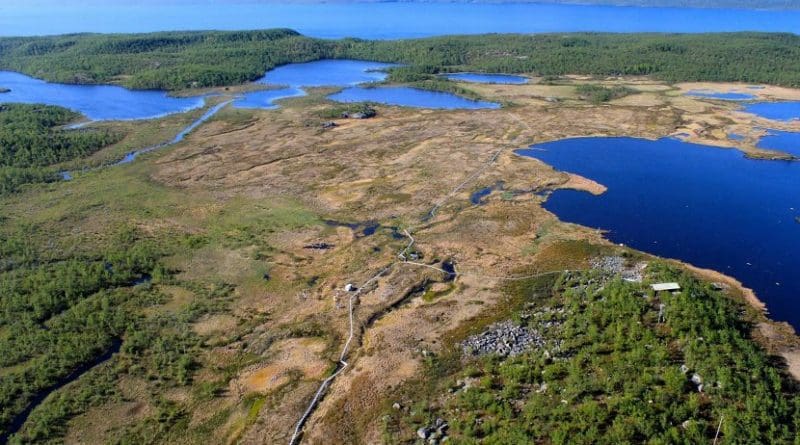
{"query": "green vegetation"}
(615, 373)
(598, 94)
(31, 140)
(165, 60)
(60, 314)
(178, 60)
(84, 272)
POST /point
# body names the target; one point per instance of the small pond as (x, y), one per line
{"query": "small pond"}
(488, 78)
(409, 97)
(778, 111)
(730, 95)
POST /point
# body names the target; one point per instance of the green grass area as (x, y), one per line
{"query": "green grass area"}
(614, 371)
(180, 60)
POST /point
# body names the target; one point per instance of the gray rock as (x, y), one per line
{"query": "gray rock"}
(423, 433)
(504, 339)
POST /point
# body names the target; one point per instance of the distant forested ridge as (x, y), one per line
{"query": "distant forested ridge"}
(179, 60)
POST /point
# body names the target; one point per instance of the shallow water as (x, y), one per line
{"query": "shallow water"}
(266, 99)
(376, 20)
(409, 97)
(779, 111)
(488, 78)
(730, 95)
(351, 74)
(708, 206)
(96, 102)
(131, 156)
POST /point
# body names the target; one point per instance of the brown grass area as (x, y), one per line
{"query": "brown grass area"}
(577, 182)
(97, 424)
(392, 169)
(301, 355)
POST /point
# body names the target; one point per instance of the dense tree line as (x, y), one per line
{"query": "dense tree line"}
(598, 94)
(32, 138)
(177, 60)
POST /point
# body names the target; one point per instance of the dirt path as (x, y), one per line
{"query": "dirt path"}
(297, 434)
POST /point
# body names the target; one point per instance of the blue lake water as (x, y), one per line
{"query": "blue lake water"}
(104, 102)
(350, 74)
(735, 137)
(266, 99)
(718, 95)
(409, 97)
(779, 111)
(708, 206)
(488, 78)
(380, 20)
(784, 141)
(340, 72)
(97, 102)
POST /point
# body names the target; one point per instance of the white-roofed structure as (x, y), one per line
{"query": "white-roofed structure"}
(669, 287)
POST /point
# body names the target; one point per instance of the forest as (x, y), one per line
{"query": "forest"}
(181, 60)
(32, 138)
(621, 364)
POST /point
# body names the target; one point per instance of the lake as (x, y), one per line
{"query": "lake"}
(97, 102)
(779, 111)
(266, 99)
(488, 78)
(339, 72)
(381, 20)
(708, 206)
(409, 97)
(730, 95)
(106, 102)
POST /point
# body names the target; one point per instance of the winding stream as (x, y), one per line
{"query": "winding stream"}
(19, 420)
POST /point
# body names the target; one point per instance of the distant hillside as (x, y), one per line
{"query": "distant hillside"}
(178, 60)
